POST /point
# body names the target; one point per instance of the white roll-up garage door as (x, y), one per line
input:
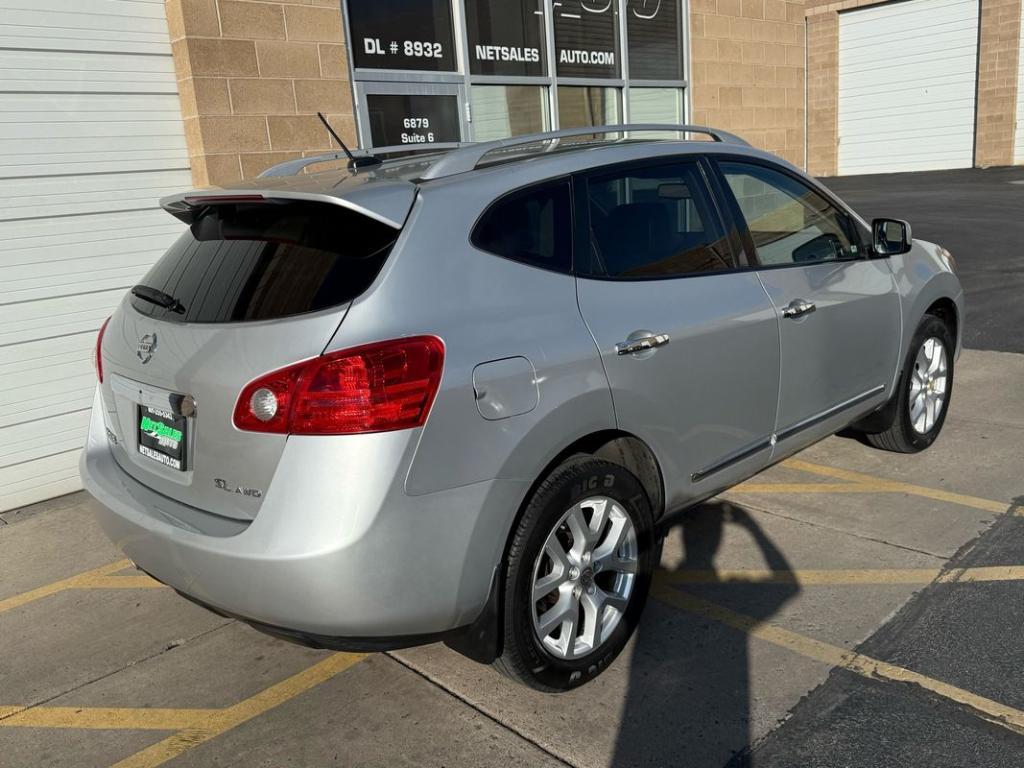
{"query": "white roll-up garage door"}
(91, 136)
(907, 74)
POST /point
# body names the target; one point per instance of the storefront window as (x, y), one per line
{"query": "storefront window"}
(412, 119)
(442, 71)
(508, 110)
(656, 105)
(587, 38)
(506, 37)
(399, 34)
(580, 106)
(654, 40)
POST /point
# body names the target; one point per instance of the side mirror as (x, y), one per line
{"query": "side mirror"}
(890, 237)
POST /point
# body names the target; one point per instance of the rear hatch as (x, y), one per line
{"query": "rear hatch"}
(257, 283)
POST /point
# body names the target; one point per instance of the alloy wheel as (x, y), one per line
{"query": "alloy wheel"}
(928, 385)
(584, 577)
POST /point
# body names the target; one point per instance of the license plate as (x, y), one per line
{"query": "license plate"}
(162, 436)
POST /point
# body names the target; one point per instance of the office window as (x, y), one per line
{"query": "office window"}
(508, 110)
(580, 106)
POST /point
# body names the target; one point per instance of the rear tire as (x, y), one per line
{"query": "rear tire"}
(578, 570)
(924, 391)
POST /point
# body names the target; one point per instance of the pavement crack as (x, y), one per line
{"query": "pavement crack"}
(481, 710)
(164, 649)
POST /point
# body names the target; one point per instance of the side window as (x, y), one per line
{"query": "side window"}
(532, 225)
(789, 222)
(653, 222)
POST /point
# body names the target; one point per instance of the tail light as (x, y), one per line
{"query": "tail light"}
(98, 361)
(375, 388)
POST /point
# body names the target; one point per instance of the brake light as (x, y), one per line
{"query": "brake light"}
(223, 199)
(98, 360)
(379, 387)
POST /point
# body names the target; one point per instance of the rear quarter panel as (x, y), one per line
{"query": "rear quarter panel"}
(484, 308)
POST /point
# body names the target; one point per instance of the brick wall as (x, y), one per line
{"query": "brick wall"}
(748, 71)
(252, 76)
(997, 82)
(822, 94)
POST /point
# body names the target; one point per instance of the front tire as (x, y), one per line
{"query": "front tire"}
(925, 388)
(578, 571)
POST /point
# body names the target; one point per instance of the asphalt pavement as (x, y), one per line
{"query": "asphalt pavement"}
(964, 633)
(976, 213)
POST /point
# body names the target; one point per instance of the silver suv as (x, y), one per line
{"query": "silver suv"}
(455, 396)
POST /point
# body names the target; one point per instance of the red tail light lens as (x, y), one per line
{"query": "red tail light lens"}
(98, 359)
(376, 388)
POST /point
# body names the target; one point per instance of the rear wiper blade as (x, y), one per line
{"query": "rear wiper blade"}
(158, 297)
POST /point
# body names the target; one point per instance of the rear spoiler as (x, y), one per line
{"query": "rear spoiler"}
(386, 202)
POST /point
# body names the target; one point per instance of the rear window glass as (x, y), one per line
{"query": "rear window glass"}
(531, 226)
(268, 260)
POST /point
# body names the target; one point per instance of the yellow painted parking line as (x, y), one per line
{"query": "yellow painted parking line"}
(810, 487)
(73, 582)
(986, 573)
(847, 576)
(135, 581)
(107, 718)
(990, 710)
(884, 485)
(221, 721)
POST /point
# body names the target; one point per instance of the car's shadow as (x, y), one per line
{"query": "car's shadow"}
(688, 697)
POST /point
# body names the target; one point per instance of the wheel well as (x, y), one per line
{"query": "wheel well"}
(623, 449)
(945, 310)
(483, 639)
(615, 446)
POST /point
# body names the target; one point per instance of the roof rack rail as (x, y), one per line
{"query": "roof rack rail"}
(293, 167)
(466, 158)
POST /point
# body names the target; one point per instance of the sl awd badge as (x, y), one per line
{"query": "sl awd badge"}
(146, 348)
(224, 485)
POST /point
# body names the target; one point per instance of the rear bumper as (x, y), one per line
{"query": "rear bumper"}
(337, 551)
(336, 642)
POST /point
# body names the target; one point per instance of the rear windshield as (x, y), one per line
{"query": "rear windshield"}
(267, 260)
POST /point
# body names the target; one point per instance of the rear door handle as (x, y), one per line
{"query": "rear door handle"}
(643, 343)
(798, 307)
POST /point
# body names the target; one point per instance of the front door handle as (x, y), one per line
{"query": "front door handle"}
(798, 307)
(643, 343)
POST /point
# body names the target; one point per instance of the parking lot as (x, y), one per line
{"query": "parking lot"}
(846, 607)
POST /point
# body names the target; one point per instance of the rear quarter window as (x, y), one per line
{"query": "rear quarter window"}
(265, 261)
(531, 226)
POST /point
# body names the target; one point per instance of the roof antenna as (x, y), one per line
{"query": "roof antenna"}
(354, 163)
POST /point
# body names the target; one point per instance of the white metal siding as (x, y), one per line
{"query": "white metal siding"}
(90, 137)
(1018, 154)
(907, 77)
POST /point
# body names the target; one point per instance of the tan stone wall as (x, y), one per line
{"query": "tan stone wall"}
(748, 71)
(997, 82)
(822, 94)
(252, 76)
